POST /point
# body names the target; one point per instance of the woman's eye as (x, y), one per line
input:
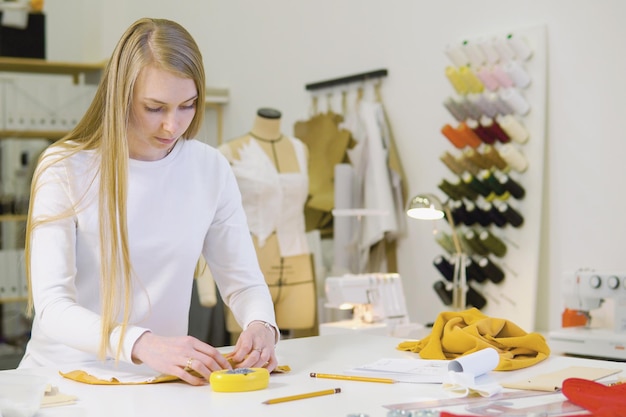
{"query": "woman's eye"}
(153, 109)
(189, 106)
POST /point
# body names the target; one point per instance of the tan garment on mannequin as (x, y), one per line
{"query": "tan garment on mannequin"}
(287, 268)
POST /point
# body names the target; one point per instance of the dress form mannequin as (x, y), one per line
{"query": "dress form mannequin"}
(287, 268)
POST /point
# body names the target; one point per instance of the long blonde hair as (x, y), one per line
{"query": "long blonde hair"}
(168, 46)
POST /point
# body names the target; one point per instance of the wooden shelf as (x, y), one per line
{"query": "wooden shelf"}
(41, 66)
(33, 134)
(13, 217)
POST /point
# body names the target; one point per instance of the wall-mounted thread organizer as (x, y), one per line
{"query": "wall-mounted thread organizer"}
(493, 180)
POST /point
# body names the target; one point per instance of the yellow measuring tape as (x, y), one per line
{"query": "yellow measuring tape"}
(239, 380)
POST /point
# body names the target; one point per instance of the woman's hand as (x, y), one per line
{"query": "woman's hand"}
(255, 347)
(179, 356)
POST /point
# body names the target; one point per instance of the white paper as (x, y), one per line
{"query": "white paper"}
(405, 370)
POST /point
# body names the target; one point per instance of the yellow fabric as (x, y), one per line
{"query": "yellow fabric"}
(460, 333)
(84, 377)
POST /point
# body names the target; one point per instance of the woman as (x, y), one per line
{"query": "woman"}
(121, 210)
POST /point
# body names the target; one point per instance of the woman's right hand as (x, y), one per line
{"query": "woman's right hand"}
(179, 356)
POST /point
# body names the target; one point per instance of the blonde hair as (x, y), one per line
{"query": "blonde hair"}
(168, 46)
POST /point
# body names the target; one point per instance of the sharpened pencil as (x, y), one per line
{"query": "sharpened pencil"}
(303, 396)
(352, 378)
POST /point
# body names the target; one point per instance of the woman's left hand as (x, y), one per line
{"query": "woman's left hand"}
(255, 347)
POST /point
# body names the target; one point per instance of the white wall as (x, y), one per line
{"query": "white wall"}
(265, 52)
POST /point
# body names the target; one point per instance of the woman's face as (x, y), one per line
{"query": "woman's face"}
(163, 106)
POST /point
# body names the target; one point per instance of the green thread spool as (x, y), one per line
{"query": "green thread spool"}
(493, 243)
(472, 240)
(446, 242)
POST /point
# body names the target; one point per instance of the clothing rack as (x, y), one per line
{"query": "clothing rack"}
(347, 79)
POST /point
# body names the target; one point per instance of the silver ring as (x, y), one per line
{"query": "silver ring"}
(188, 366)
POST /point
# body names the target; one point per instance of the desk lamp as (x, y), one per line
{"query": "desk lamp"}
(429, 207)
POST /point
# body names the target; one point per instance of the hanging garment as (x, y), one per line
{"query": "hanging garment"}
(273, 201)
(327, 146)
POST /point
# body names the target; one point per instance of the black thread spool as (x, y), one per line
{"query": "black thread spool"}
(491, 270)
(444, 266)
(459, 214)
(492, 182)
(511, 215)
(495, 215)
(473, 272)
(474, 298)
(515, 188)
(493, 243)
(476, 185)
(444, 294)
(477, 215)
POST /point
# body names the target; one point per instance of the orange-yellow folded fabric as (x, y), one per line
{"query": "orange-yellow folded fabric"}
(458, 333)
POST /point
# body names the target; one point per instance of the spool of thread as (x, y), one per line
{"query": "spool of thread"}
(456, 55)
(474, 53)
(517, 74)
(450, 189)
(480, 131)
(452, 164)
(512, 186)
(473, 272)
(493, 243)
(485, 75)
(444, 266)
(467, 191)
(457, 111)
(476, 158)
(455, 78)
(459, 213)
(477, 214)
(491, 55)
(468, 135)
(472, 240)
(512, 216)
(485, 106)
(519, 46)
(444, 294)
(492, 155)
(476, 184)
(467, 165)
(445, 241)
(496, 217)
(491, 181)
(494, 129)
(474, 298)
(513, 128)
(471, 110)
(513, 157)
(453, 136)
(505, 51)
(504, 81)
(492, 271)
(498, 103)
(474, 85)
(515, 100)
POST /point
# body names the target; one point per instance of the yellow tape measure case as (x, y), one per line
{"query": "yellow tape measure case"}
(239, 380)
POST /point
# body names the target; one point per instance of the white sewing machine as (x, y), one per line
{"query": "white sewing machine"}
(584, 333)
(377, 301)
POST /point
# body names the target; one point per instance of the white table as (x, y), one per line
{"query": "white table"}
(324, 354)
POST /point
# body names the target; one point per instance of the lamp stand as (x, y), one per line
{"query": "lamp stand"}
(459, 282)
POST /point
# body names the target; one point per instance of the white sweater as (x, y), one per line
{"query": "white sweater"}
(180, 206)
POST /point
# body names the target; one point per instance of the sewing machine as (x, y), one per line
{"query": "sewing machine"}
(585, 331)
(377, 301)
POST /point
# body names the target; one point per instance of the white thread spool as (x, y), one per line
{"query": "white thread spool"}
(491, 55)
(456, 55)
(481, 102)
(498, 103)
(514, 157)
(519, 45)
(474, 53)
(515, 100)
(513, 128)
(503, 78)
(505, 52)
(517, 74)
